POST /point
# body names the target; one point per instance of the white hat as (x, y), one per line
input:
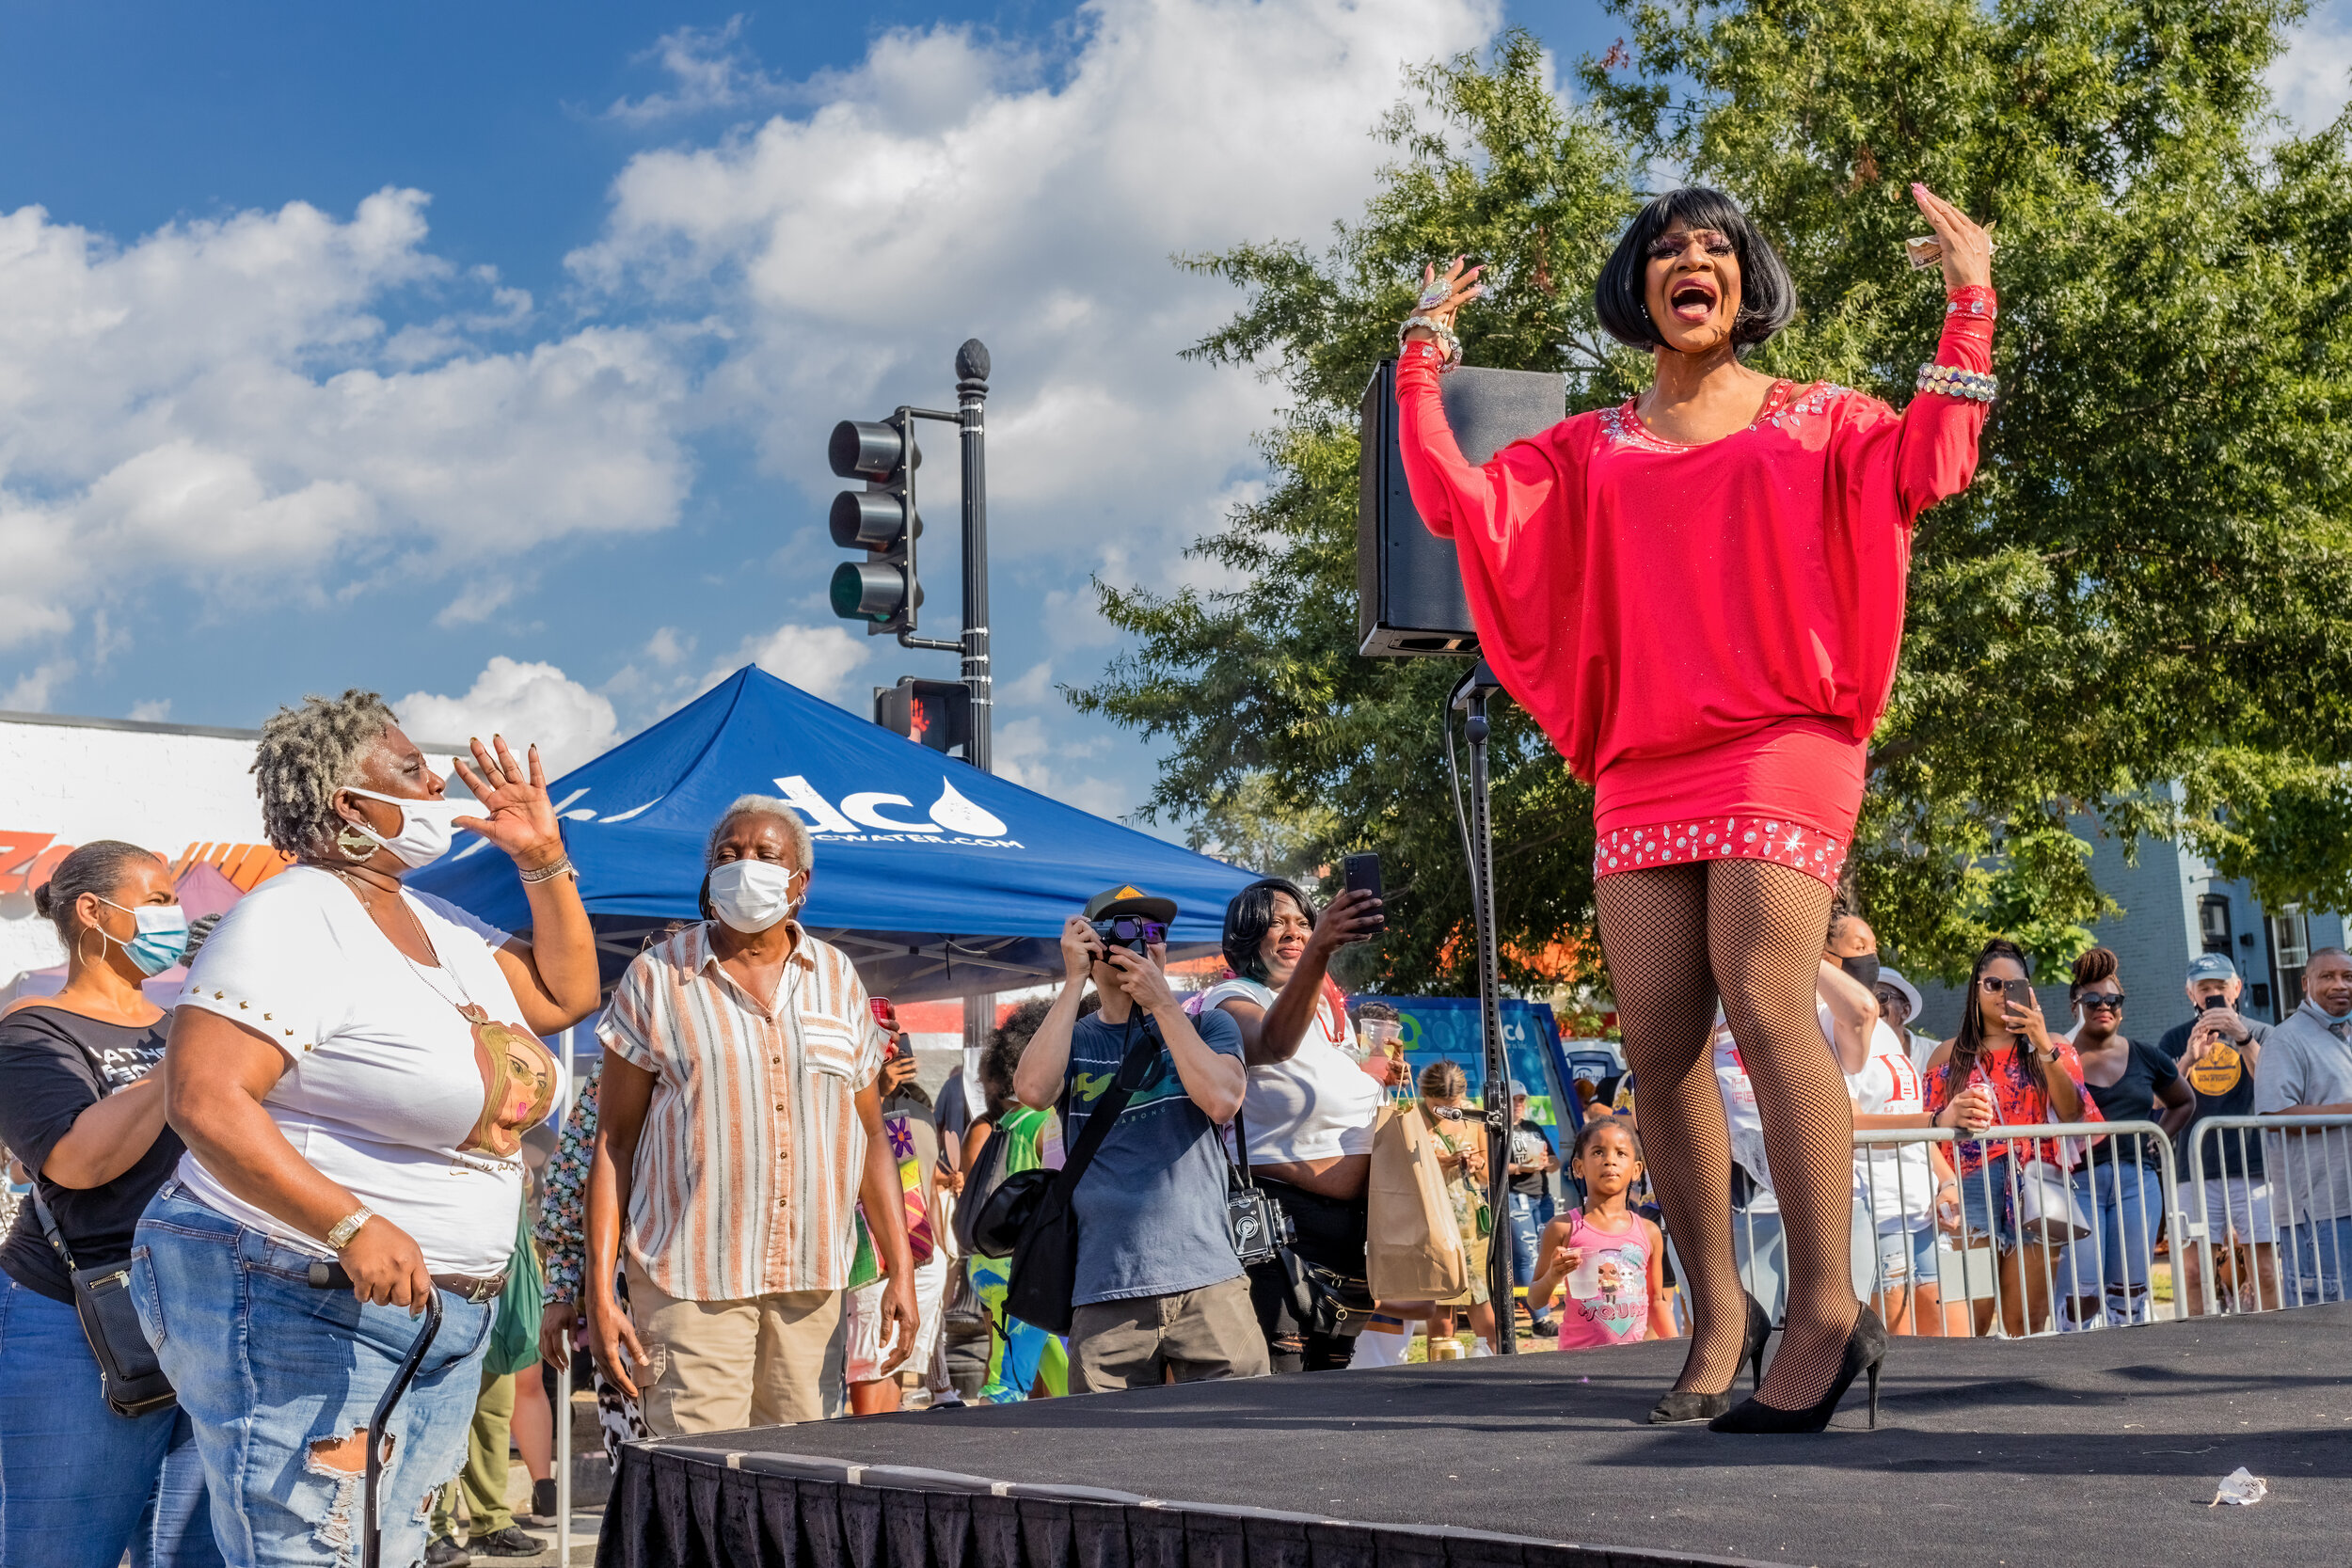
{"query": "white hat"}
(1911, 993)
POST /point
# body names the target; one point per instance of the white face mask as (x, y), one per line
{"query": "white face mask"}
(752, 895)
(425, 827)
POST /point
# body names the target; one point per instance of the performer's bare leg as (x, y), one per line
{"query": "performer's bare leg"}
(1764, 936)
(1653, 928)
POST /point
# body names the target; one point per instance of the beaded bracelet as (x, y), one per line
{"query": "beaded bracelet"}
(1449, 345)
(1954, 382)
(548, 873)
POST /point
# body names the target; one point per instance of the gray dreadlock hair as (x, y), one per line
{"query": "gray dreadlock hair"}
(306, 754)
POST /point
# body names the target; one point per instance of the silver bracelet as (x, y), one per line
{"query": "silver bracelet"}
(1953, 382)
(547, 873)
(1449, 345)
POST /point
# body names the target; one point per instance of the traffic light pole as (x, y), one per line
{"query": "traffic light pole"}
(971, 404)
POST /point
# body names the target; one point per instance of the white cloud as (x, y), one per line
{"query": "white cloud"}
(2311, 78)
(32, 691)
(710, 71)
(528, 703)
(1035, 686)
(218, 403)
(668, 645)
(477, 602)
(151, 712)
(817, 660)
(950, 187)
(1026, 753)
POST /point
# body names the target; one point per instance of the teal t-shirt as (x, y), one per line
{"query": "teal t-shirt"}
(1152, 1208)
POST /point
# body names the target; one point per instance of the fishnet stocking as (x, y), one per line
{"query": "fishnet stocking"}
(1674, 935)
(1653, 928)
(1764, 926)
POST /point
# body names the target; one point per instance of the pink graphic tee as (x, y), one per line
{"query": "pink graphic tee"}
(1608, 1295)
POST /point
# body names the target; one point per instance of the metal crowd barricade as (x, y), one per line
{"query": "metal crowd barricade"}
(2085, 1235)
(2297, 1208)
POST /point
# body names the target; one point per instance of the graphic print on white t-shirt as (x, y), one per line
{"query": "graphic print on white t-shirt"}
(1896, 1182)
(387, 1087)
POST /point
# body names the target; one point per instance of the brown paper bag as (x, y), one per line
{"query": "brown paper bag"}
(1414, 1248)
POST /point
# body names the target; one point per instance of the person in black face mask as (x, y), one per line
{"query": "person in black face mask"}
(1853, 948)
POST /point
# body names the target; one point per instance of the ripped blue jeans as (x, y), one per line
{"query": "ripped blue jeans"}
(277, 1377)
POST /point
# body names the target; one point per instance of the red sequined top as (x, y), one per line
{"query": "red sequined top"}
(1711, 629)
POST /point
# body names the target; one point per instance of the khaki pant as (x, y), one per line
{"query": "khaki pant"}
(483, 1478)
(714, 1366)
(1195, 1335)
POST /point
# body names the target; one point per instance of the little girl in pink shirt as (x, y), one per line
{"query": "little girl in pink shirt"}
(1611, 1259)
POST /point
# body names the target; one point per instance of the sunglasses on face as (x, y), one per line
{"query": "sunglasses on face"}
(2110, 1000)
(1667, 247)
(1991, 982)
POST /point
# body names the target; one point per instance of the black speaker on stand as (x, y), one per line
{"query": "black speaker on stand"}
(1410, 605)
(1409, 600)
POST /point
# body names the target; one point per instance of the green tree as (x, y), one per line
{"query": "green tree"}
(2141, 588)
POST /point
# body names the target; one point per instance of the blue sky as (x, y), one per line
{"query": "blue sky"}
(483, 356)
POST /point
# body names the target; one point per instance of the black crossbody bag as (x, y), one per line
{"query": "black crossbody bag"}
(1029, 1214)
(133, 1379)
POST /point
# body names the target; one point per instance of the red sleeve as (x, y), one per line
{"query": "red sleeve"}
(1515, 525)
(1908, 464)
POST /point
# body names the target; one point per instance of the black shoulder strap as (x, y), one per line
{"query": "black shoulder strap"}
(40, 1209)
(49, 1227)
(1131, 1070)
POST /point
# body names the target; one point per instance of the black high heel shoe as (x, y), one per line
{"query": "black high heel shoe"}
(1678, 1409)
(1865, 1349)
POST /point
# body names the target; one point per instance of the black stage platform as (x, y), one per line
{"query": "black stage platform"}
(2083, 1449)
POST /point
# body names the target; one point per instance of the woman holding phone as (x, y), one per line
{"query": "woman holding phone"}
(1311, 1101)
(1726, 742)
(2004, 1054)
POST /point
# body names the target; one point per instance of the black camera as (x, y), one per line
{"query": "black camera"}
(1259, 1228)
(1131, 931)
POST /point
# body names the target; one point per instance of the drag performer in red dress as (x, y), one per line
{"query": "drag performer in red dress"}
(1699, 594)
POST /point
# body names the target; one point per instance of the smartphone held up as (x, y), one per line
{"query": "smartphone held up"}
(1362, 874)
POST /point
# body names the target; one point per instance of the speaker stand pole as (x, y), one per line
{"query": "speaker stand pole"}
(1470, 699)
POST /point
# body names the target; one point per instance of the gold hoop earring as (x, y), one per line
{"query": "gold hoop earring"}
(355, 844)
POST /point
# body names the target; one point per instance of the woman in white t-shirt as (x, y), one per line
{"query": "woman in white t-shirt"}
(1311, 1099)
(352, 1066)
(1902, 1189)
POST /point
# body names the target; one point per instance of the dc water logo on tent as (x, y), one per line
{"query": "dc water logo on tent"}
(952, 820)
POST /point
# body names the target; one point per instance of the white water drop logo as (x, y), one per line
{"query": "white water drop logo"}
(953, 812)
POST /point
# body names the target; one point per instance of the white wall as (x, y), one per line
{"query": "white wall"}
(156, 787)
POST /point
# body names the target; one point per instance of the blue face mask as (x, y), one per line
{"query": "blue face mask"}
(163, 935)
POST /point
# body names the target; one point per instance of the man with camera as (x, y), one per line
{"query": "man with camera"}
(2217, 1052)
(1160, 1288)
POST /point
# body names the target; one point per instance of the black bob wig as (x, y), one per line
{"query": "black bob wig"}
(1768, 297)
(1247, 919)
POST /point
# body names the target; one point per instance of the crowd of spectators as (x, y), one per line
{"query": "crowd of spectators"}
(754, 1212)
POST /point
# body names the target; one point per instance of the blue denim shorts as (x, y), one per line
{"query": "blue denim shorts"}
(1979, 1217)
(272, 1373)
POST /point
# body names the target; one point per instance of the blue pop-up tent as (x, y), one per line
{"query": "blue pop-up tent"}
(936, 878)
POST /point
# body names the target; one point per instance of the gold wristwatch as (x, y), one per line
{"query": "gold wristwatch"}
(348, 1227)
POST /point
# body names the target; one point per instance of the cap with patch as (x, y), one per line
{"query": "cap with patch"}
(2210, 966)
(1127, 898)
(1519, 1090)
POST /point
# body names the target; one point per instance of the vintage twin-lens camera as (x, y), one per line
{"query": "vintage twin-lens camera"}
(1131, 931)
(1260, 1228)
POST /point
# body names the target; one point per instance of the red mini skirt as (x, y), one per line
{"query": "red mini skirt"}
(1788, 792)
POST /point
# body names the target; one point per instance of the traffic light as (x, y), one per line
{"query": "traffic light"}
(937, 714)
(882, 590)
